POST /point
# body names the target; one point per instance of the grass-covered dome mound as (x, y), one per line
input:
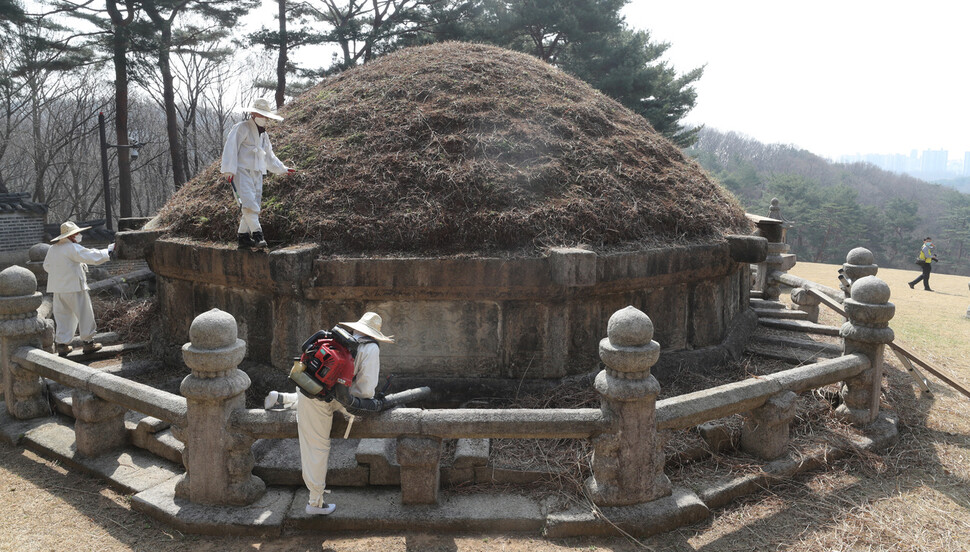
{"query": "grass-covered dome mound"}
(457, 147)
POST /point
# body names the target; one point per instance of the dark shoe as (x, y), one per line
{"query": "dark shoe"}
(927, 289)
(912, 285)
(90, 347)
(260, 243)
(245, 241)
(64, 349)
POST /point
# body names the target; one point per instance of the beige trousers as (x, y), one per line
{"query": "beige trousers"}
(73, 311)
(314, 420)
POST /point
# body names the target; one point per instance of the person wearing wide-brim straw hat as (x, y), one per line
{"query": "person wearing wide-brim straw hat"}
(66, 263)
(315, 414)
(246, 157)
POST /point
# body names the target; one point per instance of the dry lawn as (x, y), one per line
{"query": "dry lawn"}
(916, 497)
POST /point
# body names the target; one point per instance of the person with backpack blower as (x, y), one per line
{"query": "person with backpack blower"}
(337, 371)
(246, 157)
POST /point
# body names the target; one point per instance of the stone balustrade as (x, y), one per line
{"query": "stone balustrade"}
(210, 417)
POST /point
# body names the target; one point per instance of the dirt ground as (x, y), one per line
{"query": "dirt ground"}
(915, 497)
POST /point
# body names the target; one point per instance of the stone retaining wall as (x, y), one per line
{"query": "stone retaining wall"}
(460, 317)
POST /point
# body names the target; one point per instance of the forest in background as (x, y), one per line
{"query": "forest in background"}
(835, 207)
(172, 75)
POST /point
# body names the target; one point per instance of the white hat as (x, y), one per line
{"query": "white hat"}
(369, 325)
(263, 107)
(68, 229)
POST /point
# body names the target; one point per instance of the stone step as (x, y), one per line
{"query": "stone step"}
(108, 351)
(795, 342)
(792, 355)
(798, 326)
(786, 314)
(756, 294)
(762, 304)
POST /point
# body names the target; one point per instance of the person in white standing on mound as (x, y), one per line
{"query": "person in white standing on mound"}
(66, 264)
(246, 157)
(315, 414)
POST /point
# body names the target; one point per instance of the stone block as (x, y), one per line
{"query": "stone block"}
(470, 453)
(718, 436)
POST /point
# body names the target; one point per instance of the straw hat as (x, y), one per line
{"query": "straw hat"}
(68, 229)
(369, 325)
(264, 108)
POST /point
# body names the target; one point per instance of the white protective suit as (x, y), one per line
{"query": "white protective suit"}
(315, 418)
(66, 263)
(247, 155)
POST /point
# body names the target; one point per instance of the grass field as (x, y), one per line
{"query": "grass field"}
(914, 497)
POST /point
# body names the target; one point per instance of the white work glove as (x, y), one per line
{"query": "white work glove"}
(111, 248)
(229, 176)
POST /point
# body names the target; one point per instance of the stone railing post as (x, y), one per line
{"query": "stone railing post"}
(628, 465)
(806, 302)
(99, 426)
(218, 462)
(420, 460)
(766, 429)
(36, 255)
(20, 326)
(868, 311)
(859, 263)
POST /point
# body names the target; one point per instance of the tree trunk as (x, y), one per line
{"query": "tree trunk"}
(119, 44)
(281, 61)
(168, 97)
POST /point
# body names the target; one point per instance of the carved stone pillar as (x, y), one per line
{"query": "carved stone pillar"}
(218, 462)
(20, 326)
(867, 331)
(99, 426)
(628, 465)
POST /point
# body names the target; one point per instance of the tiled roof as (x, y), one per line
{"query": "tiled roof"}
(20, 201)
(98, 233)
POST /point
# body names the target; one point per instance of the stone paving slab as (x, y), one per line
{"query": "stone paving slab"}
(372, 509)
(130, 470)
(682, 507)
(12, 430)
(264, 518)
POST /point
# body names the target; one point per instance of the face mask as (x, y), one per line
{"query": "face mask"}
(261, 121)
(78, 240)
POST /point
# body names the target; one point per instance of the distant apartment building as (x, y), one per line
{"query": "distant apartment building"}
(929, 165)
(933, 162)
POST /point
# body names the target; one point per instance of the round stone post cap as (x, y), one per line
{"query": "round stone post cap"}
(213, 329)
(629, 327)
(17, 281)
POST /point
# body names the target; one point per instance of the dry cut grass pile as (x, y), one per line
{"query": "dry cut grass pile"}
(456, 147)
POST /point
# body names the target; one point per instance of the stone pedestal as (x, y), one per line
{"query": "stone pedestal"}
(628, 465)
(859, 263)
(765, 431)
(867, 330)
(420, 460)
(20, 326)
(806, 302)
(99, 426)
(218, 461)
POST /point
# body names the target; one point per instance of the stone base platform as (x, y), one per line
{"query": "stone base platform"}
(152, 480)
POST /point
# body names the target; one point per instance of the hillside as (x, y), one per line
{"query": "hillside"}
(836, 206)
(456, 147)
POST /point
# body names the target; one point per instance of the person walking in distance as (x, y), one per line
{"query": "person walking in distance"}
(246, 157)
(926, 259)
(66, 264)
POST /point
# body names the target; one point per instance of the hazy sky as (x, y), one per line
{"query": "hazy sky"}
(846, 77)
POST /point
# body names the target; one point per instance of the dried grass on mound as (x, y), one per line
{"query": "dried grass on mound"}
(466, 148)
(130, 318)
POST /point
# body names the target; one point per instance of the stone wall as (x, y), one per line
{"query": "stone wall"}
(18, 232)
(519, 317)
